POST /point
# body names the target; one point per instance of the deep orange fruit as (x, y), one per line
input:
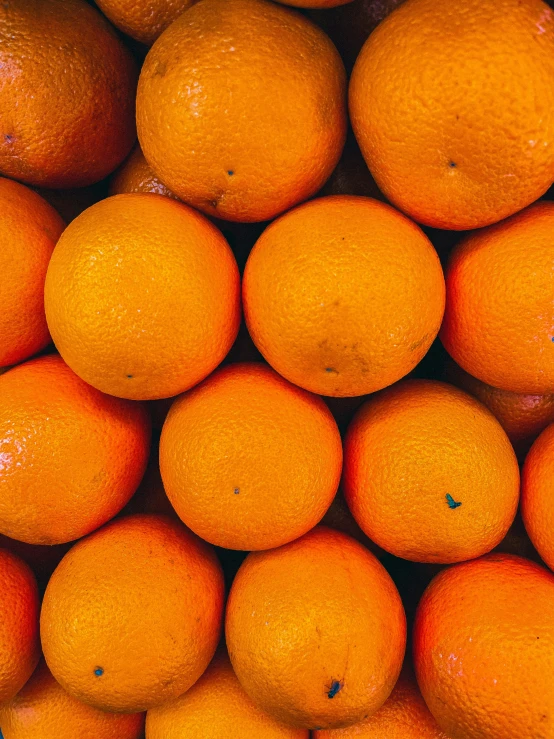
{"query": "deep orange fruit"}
(19, 636)
(70, 456)
(429, 473)
(499, 319)
(403, 716)
(143, 20)
(271, 139)
(29, 229)
(67, 95)
(43, 709)
(522, 415)
(132, 615)
(136, 175)
(142, 296)
(343, 295)
(450, 105)
(316, 630)
(248, 460)
(216, 707)
(537, 487)
(484, 649)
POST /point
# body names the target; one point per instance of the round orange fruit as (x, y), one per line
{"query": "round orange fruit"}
(67, 97)
(484, 649)
(136, 175)
(499, 319)
(143, 20)
(132, 615)
(142, 296)
(216, 707)
(19, 632)
(70, 456)
(403, 716)
(316, 630)
(241, 108)
(43, 709)
(248, 460)
(429, 473)
(343, 295)
(537, 489)
(29, 229)
(451, 107)
(522, 415)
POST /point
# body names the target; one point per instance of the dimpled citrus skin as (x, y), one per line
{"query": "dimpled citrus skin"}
(143, 20)
(70, 456)
(132, 615)
(451, 105)
(67, 93)
(241, 108)
(29, 229)
(537, 488)
(216, 707)
(403, 716)
(522, 416)
(412, 446)
(19, 635)
(43, 709)
(136, 175)
(142, 296)
(248, 460)
(484, 649)
(499, 318)
(343, 295)
(316, 630)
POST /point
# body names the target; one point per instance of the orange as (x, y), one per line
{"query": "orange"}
(142, 296)
(143, 20)
(316, 630)
(343, 295)
(451, 107)
(429, 473)
(67, 94)
(19, 635)
(241, 108)
(403, 716)
(248, 460)
(136, 175)
(216, 707)
(43, 710)
(522, 416)
(499, 319)
(29, 229)
(484, 649)
(132, 615)
(537, 488)
(70, 457)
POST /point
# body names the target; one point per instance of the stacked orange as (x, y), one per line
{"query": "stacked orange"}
(188, 586)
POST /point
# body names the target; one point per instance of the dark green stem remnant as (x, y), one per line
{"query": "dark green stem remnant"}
(451, 502)
(334, 689)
